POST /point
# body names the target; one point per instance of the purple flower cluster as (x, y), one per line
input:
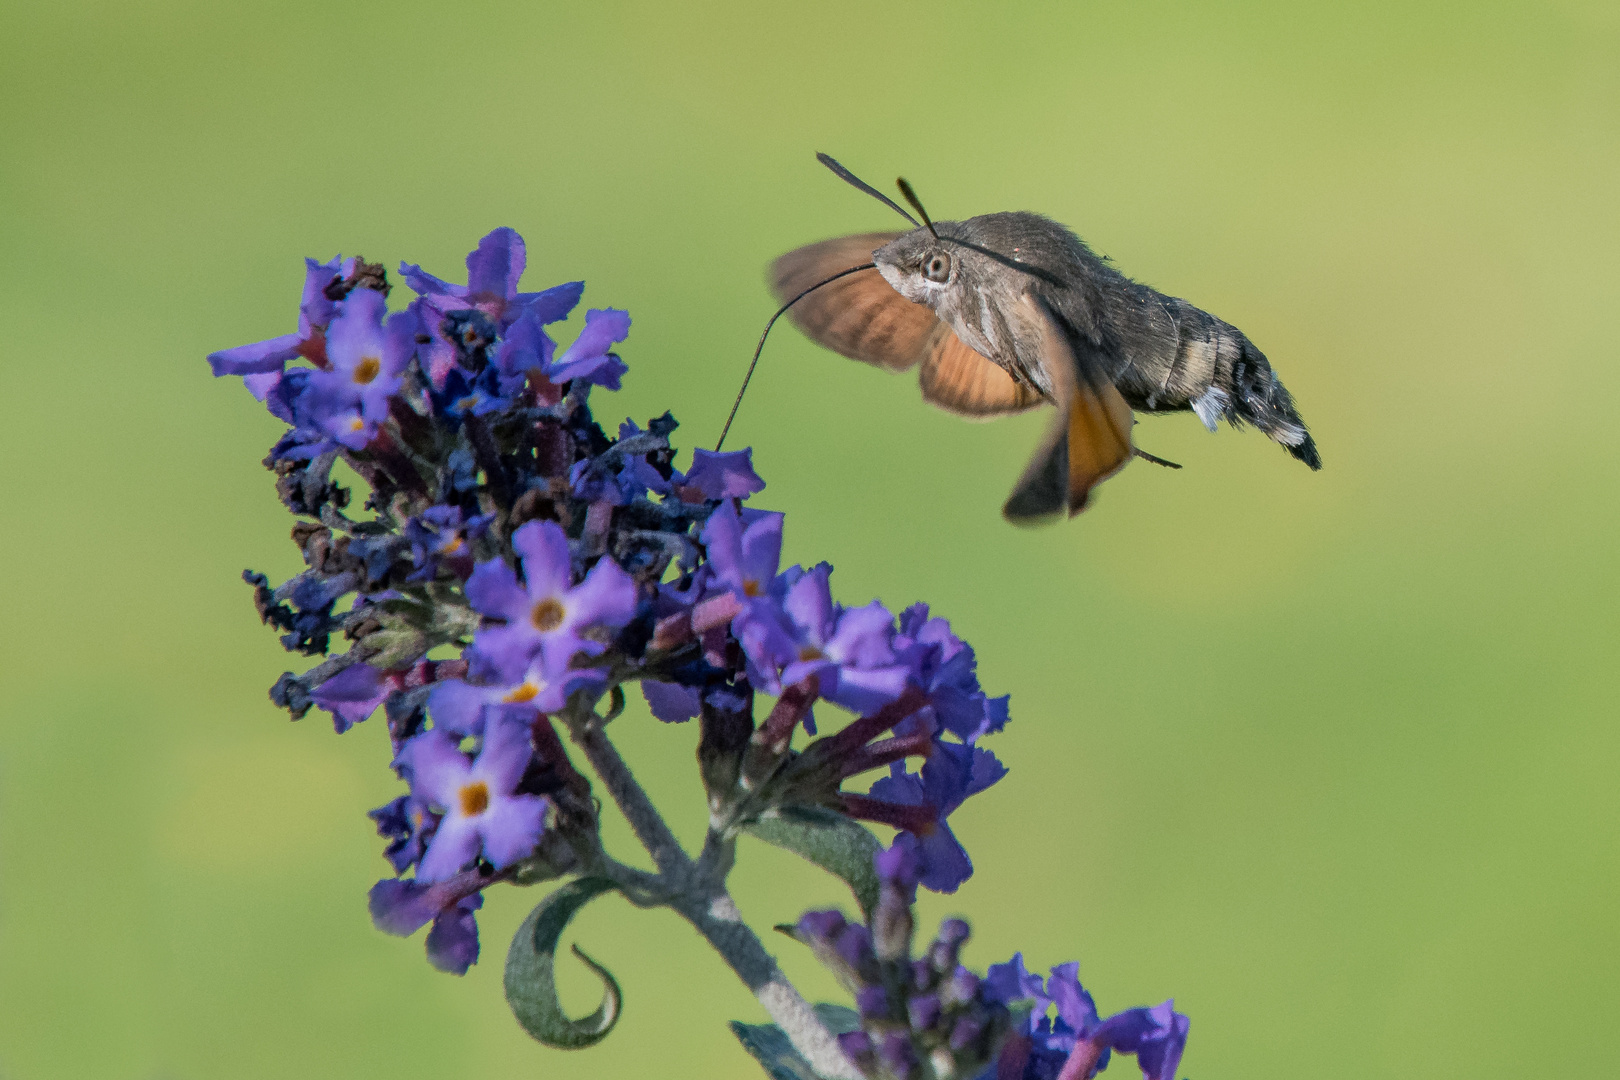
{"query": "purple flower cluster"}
(911, 681)
(542, 564)
(1063, 1036)
(928, 1014)
(507, 524)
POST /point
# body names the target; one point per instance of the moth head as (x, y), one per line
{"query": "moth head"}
(919, 266)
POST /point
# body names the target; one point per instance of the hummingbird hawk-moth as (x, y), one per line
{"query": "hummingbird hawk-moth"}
(1006, 312)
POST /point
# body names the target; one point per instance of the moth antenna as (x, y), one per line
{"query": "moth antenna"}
(856, 182)
(779, 313)
(916, 204)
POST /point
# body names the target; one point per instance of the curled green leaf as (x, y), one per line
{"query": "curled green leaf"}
(531, 987)
(831, 841)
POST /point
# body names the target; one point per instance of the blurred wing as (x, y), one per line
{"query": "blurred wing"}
(859, 316)
(959, 380)
(1089, 440)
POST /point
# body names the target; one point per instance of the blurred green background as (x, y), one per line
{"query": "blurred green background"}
(1330, 758)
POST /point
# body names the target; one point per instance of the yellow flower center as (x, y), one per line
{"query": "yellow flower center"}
(452, 547)
(547, 615)
(367, 369)
(356, 424)
(751, 587)
(524, 692)
(474, 799)
(810, 652)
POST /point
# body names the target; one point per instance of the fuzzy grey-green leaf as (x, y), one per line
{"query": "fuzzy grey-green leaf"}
(831, 841)
(531, 987)
(771, 1048)
(774, 1051)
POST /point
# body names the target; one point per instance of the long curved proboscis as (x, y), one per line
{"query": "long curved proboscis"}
(779, 313)
(856, 182)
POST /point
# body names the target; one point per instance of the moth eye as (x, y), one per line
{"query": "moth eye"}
(937, 268)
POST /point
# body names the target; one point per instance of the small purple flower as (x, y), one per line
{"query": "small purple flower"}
(546, 609)
(544, 687)
(365, 357)
(493, 270)
(1012, 982)
(1157, 1036)
(742, 558)
(846, 649)
(588, 358)
(724, 475)
(952, 773)
(352, 695)
(439, 535)
(481, 813)
(403, 907)
(945, 667)
(314, 312)
(525, 347)
(407, 824)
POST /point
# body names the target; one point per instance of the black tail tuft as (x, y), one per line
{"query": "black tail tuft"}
(1260, 398)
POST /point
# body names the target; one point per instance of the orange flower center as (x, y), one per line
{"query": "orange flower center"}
(547, 615)
(452, 547)
(367, 369)
(520, 694)
(810, 652)
(751, 587)
(474, 798)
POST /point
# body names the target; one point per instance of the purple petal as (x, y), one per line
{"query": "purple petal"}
(670, 702)
(456, 706)
(605, 370)
(606, 597)
(257, 358)
(987, 769)
(511, 827)
(263, 385)
(506, 754)
(809, 603)
(547, 566)
(946, 861)
(1074, 1005)
(454, 845)
(554, 304)
(435, 768)
(507, 651)
(351, 695)
(494, 268)
(864, 691)
(525, 346)
(603, 327)
(493, 590)
(1012, 982)
(761, 551)
(315, 307)
(401, 907)
(452, 944)
(899, 787)
(724, 475)
(862, 636)
(1157, 1036)
(357, 331)
(425, 284)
